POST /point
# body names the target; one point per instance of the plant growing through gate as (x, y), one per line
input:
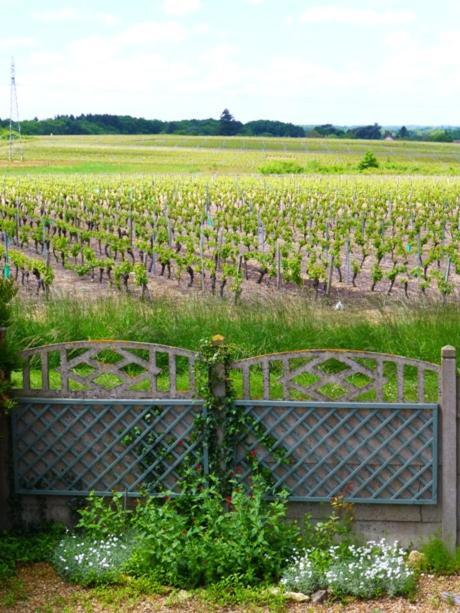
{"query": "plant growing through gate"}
(226, 424)
(217, 426)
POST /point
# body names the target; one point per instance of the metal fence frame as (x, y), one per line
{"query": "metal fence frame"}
(329, 439)
(23, 467)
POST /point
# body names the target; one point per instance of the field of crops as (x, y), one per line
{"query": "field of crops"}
(233, 237)
(215, 155)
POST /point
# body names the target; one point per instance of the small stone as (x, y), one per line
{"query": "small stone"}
(182, 596)
(450, 598)
(274, 591)
(319, 596)
(417, 560)
(296, 596)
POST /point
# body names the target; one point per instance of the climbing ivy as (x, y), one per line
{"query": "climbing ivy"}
(225, 425)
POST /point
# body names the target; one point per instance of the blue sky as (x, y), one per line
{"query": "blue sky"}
(305, 61)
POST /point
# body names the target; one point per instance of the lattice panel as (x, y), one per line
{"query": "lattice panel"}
(74, 448)
(323, 375)
(368, 453)
(108, 369)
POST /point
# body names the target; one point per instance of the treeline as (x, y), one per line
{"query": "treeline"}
(226, 125)
(376, 132)
(124, 124)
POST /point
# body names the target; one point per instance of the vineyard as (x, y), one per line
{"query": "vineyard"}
(230, 237)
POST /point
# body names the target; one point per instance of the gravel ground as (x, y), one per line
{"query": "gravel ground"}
(38, 589)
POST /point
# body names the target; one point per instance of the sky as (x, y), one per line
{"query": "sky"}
(346, 62)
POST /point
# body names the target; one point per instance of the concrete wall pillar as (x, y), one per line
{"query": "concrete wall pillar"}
(449, 455)
(5, 456)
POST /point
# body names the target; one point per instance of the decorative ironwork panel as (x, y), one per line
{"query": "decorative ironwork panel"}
(108, 369)
(374, 452)
(336, 375)
(70, 447)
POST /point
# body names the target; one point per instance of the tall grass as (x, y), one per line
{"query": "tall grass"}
(254, 328)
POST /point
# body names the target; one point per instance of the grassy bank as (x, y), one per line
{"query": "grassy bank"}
(254, 328)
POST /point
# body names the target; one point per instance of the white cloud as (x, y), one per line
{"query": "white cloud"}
(171, 69)
(366, 17)
(411, 65)
(288, 76)
(178, 8)
(201, 28)
(152, 32)
(62, 14)
(13, 43)
(149, 35)
(70, 15)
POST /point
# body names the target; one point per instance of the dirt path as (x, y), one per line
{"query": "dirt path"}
(37, 588)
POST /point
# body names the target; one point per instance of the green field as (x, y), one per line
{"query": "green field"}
(55, 164)
(169, 154)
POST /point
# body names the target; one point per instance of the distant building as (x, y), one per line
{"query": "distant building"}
(389, 137)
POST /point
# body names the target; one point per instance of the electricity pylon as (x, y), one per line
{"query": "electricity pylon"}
(15, 148)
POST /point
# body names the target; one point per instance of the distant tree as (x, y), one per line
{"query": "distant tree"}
(328, 129)
(369, 161)
(373, 132)
(403, 132)
(266, 127)
(228, 126)
(440, 135)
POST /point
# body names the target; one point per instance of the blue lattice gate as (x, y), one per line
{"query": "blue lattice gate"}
(354, 424)
(104, 417)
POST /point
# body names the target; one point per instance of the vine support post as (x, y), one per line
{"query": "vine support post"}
(218, 389)
(347, 262)
(330, 271)
(449, 456)
(5, 493)
(278, 264)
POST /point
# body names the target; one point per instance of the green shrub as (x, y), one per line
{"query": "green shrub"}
(8, 291)
(101, 518)
(281, 167)
(214, 538)
(369, 161)
(27, 547)
(336, 528)
(199, 538)
(439, 559)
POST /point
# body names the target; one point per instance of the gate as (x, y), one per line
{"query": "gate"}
(106, 415)
(103, 416)
(327, 423)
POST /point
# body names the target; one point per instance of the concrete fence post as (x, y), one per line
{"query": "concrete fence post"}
(218, 388)
(5, 457)
(4, 469)
(449, 455)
